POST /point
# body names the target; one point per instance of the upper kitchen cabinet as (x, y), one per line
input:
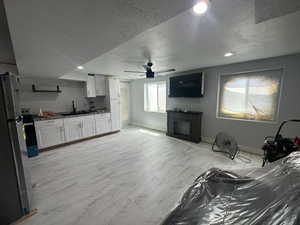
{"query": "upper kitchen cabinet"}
(100, 82)
(114, 88)
(95, 86)
(90, 86)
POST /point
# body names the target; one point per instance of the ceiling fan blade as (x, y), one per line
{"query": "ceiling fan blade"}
(129, 71)
(138, 75)
(160, 74)
(166, 71)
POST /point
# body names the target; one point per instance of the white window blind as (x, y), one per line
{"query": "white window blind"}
(250, 96)
(155, 97)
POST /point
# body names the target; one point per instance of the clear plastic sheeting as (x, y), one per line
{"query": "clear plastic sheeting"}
(269, 195)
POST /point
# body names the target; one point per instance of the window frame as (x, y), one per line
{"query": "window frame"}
(275, 121)
(155, 82)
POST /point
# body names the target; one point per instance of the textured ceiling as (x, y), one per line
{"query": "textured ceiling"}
(51, 38)
(188, 42)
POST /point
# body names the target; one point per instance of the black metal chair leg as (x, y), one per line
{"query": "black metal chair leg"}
(264, 161)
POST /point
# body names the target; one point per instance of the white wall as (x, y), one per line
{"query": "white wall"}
(138, 115)
(247, 133)
(54, 102)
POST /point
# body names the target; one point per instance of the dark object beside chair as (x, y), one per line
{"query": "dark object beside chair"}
(278, 147)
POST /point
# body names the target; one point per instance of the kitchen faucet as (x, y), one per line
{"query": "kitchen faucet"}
(74, 107)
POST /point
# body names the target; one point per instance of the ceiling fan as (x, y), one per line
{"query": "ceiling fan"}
(149, 72)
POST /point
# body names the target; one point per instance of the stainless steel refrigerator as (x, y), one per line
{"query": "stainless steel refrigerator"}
(15, 185)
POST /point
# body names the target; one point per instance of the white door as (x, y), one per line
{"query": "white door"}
(100, 83)
(73, 129)
(114, 88)
(125, 103)
(49, 133)
(88, 128)
(115, 115)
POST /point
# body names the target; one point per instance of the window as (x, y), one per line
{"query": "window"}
(250, 96)
(155, 97)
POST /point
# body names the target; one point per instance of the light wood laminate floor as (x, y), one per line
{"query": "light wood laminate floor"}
(134, 177)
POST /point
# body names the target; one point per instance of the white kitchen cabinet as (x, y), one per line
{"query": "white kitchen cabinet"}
(88, 126)
(95, 86)
(49, 133)
(100, 83)
(115, 114)
(114, 88)
(90, 87)
(73, 128)
(59, 131)
(103, 123)
(114, 102)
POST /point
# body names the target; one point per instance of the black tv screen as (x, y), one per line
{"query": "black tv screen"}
(189, 86)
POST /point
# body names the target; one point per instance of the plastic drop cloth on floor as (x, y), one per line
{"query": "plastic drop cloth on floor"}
(269, 195)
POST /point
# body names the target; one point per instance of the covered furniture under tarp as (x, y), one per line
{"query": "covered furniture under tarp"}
(269, 195)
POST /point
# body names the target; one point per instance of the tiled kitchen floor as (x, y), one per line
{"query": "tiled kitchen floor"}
(134, 177)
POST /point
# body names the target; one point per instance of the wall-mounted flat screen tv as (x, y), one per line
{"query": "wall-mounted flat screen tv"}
(188, 86)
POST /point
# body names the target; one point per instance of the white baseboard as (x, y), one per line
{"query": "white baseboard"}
(148, 126)
(209, 140)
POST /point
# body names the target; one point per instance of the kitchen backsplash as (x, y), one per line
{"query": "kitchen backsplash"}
(54, 102)
(97, 103)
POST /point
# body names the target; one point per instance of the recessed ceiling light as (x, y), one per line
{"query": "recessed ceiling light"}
(201, 7)
(80, 67)
(228, 54)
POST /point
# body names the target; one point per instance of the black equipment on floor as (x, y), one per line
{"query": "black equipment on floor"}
(226, 144)
(278, 147)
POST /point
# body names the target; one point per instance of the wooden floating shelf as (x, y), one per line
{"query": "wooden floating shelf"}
(46, 91)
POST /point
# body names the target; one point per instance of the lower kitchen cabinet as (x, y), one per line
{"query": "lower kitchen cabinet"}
(59, 131)
(88, 126)
(103, 123)
(50, 133)
(73, 128)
